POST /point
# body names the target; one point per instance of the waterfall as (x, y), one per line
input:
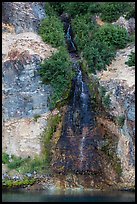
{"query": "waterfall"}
(69, 40)
(81, 92)
(77, 149)
(80, 117)
(75, 141)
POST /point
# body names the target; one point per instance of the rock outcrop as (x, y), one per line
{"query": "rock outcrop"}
(119, 82)
(24, 16)
(24, 97)
(129, 24)
(25, 106)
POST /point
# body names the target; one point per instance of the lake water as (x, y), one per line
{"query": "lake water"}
(68, 196)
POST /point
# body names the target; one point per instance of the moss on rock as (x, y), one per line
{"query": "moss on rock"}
(7, 184)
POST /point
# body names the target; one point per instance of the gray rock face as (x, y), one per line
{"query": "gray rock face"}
(25, 16)
(131, 113)
(129, 25)
(119, 82)
(24, 94)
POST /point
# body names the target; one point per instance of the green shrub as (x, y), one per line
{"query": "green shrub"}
(84, 30)
(25, 165)
(98, 54)
(120, 120)
(57, 71)
(49, 10)
(36, 116)
(76, 8)
(58, 7)
(106, 101)
(95, 7)
(98, 44)
(111, 11)
(16, 162)
(131, 60)
(51, 31)
(5, 158)
(52, 125)
(37, 164)
(130, 12)
(15, 184)
(114, 35)
(102, 91)
(12, 162)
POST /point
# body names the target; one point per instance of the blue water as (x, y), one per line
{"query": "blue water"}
(68, 196)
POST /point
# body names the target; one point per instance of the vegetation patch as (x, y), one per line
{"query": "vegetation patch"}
(110, 151)
(98, 54)
(6, 184)
(106, 101)
(36, 117)
(104, 97)
(84, 29)
(13, 162)
(5, 158)
(51, 128)
(111, 11)
(37, 164)
(25, 165)
(73, 8)
(102, 91)
(113, 35)
(57, 71)
(130, 12)
(51, 31)
(131, 60)
(98, 45)
(120, 120)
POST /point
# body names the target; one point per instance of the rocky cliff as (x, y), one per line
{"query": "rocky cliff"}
(119, 82)
(24, 96)
(25, 99)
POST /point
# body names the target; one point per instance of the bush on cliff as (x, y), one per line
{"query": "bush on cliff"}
(114, 35)
(111, 11)
(75, 8)
(84, 30)
(98, 45)
(131, 60)
(51, 31)
(108, 11)
(98, 54)
(57, 71)
(130, 13)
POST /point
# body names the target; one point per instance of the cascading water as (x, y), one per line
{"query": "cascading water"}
(81, 104)
(69, 39)
(77, 150)
(79, 120)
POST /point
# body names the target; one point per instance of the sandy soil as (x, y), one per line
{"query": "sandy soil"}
(27, 41)
(118, 70)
